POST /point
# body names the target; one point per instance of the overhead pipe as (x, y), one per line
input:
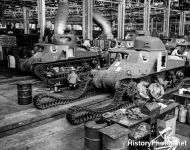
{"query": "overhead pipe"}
(61, 17)
(103, 24)
(61, 24)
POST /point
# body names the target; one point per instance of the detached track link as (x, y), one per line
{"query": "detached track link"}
(77, 115)
(46, 100)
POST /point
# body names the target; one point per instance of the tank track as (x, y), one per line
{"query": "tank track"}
(77, 115)
(46, 100)
(125, 96)
(39, 69)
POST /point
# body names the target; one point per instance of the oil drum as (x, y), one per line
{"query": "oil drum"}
(115, 137)
(182, 115)
(188, 114)
(92, 136)
(24, 93)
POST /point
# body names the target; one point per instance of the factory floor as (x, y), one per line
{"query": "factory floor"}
(23, 127)
(57, 135)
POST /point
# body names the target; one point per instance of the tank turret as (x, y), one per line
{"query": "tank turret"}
(148, 43)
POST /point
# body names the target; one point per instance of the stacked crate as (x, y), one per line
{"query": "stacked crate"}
(7, 41)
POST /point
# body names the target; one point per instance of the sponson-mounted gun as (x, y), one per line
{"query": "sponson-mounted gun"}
(54, 58)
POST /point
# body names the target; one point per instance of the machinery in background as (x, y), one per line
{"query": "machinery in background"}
(172, 43)
(105, 44)
(128, 43)
(166, 40)
(51, 61)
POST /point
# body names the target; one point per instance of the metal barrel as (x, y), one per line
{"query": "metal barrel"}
(188, 114)
(92, 136)
(115, 137)
(24, 93)
(119, 144)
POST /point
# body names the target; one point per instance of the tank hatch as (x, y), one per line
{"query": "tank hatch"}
(148, 43)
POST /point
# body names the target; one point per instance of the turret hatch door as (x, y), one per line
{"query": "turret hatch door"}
(161, 62)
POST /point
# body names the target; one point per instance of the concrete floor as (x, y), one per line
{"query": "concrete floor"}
(184, 139)
(57, 135)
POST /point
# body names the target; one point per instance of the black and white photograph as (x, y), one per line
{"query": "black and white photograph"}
(94, 74)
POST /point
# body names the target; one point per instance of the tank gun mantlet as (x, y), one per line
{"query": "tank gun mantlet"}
(148, 43)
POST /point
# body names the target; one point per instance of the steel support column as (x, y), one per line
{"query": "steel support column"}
(26, 21)
(2, 18)
(147, 10)
(121, 19)
(87, 24)
(41, 17)
(152, 25)
(145, 15)
(182, 23)
(166, 28)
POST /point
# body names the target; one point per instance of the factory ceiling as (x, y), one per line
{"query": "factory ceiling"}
(12, 9)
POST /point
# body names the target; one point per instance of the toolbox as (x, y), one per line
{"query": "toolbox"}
(151, 108)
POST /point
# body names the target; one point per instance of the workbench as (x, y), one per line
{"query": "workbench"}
(150, 119)
(182, 98)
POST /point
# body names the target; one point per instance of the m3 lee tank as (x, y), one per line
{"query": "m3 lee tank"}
(137, 75)
(51, 60)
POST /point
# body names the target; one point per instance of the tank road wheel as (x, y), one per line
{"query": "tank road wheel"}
(156, 90)
(143, 89)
